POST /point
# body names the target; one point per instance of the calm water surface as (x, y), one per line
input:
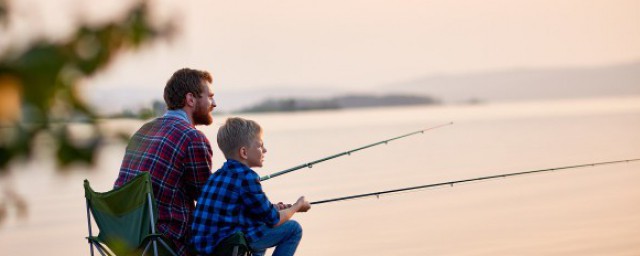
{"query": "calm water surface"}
(588, 211)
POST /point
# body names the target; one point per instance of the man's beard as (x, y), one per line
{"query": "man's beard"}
(202, 116)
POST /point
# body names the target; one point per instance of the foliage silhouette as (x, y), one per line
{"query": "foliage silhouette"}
(45, 77)
(39, 89)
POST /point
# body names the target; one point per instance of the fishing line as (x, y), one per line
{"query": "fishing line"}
(451, 183)
(310, 164)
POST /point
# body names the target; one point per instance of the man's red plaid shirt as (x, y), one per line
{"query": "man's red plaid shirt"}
(178, 157)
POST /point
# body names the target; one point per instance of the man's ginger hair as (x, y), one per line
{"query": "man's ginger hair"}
(181, 83)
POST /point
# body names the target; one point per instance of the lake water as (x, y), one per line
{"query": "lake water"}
(586, 211)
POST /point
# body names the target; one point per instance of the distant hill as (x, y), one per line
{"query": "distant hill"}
(509, 85)
(527, 84)
(341, 102)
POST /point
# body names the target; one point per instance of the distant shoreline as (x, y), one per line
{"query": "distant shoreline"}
(293, 104)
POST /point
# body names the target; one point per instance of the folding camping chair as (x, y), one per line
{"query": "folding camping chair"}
(234, 245)
(126, 217)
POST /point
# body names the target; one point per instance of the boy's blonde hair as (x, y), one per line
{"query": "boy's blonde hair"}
(235, 133)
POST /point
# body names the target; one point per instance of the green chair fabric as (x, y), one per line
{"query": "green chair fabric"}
(124, 217)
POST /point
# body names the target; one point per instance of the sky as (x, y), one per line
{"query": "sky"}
(355, 45)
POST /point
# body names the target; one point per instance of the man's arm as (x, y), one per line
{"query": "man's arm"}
(198, 165)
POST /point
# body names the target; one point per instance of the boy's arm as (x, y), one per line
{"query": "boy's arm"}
(302, 205)
(281, 206)
(256, 202)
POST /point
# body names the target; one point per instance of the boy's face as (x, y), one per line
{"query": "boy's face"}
(256, 151)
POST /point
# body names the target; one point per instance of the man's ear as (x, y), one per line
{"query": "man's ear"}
(190, 100)
(242, 152)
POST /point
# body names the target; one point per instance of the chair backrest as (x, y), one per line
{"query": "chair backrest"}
(122, 214)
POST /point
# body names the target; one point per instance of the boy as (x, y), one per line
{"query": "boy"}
(232, 200)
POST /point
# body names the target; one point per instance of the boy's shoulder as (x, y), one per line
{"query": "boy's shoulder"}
(233, 169)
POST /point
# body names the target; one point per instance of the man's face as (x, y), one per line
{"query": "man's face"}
(256, 151)
(204, 106)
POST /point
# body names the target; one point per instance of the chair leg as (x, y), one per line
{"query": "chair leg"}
(146, 248)
(155, 247)
(153, 228)
(89, 224)
(102, 250)
(166, 246)
(91, 248)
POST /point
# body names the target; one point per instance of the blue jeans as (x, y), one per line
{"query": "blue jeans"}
(285, 238)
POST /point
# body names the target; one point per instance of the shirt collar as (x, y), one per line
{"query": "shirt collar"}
(179, 113)
(233, 161)
(236, 164)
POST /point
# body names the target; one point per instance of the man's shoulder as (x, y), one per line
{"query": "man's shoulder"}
(174, 125)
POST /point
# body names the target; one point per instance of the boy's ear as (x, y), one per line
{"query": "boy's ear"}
(242, 152)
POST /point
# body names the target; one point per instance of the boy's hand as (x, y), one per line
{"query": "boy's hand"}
(302, 204)
(281, 206)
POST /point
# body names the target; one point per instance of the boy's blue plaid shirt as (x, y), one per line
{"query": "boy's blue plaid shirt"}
(231, 201)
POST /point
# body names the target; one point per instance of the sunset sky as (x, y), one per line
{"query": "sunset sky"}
(357, 45)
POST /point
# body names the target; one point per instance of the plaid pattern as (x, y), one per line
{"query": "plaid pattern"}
(231, 201)
(178, 157)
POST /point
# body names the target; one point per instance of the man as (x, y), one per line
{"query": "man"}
(177, 155)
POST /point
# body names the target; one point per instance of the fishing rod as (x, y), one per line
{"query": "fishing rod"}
(310, 164)
(451, 183)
